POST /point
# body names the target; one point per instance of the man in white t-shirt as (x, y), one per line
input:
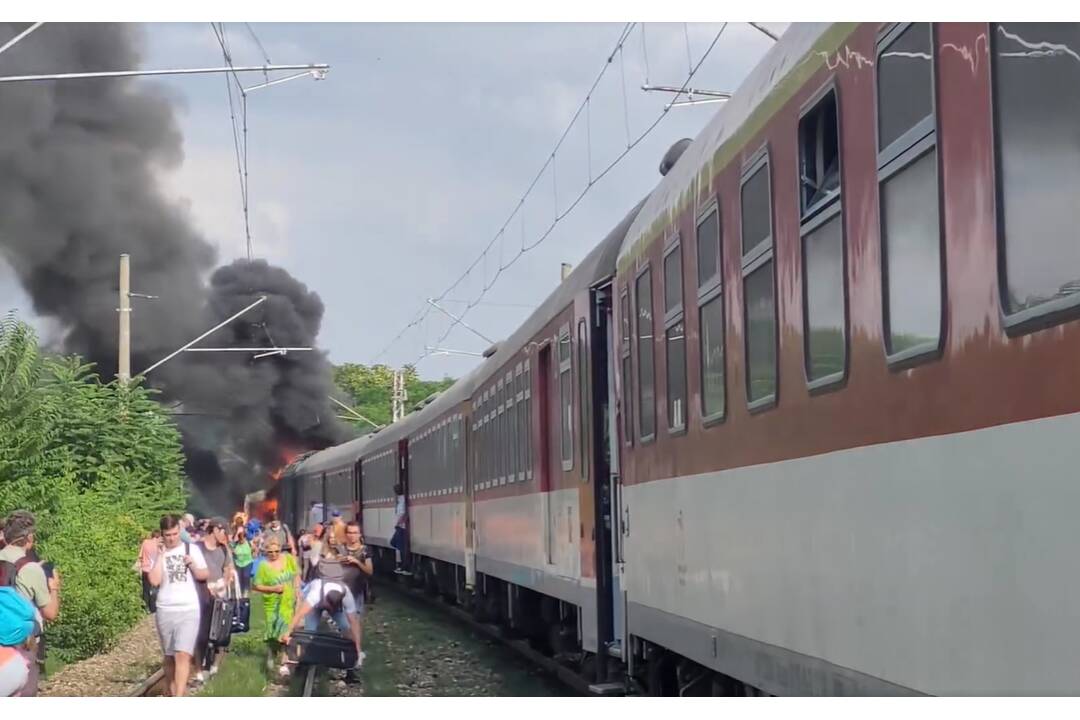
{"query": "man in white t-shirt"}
(338, 602)
(177, 566)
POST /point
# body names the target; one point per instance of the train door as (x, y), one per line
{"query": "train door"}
(543, 375)
(358, 494)
(403, 479)
(605, 460)
(324, 499)
(469, 470)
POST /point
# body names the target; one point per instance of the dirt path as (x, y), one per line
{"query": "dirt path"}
(111, 674)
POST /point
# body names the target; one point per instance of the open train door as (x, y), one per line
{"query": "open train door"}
(610, 602)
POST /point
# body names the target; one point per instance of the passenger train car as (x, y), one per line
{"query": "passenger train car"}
(804, 422)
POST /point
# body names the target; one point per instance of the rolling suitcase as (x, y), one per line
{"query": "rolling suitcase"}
(241, 620)
(328, 650)
(221, 620)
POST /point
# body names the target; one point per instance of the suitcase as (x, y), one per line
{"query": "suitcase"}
(328, 650)
(241, 619)
(221, 619)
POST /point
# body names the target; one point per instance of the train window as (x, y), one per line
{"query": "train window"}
(500, 437)
(675, 342)
(760, 334)
(646, 378)
(511, 427)
(673, 279)
(1036, 104)
(627, 394)
(823, 281)
(819, 155)
(708, 248)
(822, 244)
(912, 272)
(522, 420)
(674, 338)
(711, 316)
(528, 422)
(759, 292)
(912, 244)
(905, 84)
(756, 210)
(566, 399)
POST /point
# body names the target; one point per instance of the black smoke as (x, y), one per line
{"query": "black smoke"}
(78, 166)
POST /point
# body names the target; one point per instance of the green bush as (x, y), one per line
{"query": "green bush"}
(98, 464)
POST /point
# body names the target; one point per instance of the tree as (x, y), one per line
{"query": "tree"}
(98, 464)
(371, 388)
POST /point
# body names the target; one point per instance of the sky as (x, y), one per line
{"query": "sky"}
(379, 185)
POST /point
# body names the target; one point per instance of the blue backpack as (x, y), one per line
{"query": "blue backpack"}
(17, 617)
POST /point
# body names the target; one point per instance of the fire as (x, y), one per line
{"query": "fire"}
(288, 455)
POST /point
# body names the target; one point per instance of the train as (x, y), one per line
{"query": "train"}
(804, 422)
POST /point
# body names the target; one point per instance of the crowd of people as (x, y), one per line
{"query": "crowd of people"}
(186, 565)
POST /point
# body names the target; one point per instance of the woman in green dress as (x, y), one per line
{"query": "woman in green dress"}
(278, 578)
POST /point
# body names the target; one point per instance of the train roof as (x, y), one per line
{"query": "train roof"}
(334, 457)
(785, 67)
(596, 266)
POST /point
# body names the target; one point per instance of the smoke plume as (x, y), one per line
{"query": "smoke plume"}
(78, 167)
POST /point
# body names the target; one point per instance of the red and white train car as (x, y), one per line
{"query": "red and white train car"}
(849, 392)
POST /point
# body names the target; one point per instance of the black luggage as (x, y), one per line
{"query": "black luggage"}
(241, 620)
(221, 620)
(328, 650)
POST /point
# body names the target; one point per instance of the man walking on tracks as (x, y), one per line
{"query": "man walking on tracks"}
(175, 571)
(219, 568)
(20, 570)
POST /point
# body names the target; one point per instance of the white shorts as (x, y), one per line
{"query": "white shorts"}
(178, 629)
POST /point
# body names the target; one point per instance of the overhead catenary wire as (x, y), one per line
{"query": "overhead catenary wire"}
(693, 71)
(519, 208)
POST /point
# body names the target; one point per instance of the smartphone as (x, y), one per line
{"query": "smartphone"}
(48, 568)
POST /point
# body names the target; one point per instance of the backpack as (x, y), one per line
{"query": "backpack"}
(10, 570)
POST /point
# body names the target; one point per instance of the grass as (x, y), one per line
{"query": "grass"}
(53, 664)
(412, 649)
(243, 670)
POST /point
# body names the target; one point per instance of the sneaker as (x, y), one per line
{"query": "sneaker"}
(199, 677)
(213, 670)
(359, 662)
(283, 671)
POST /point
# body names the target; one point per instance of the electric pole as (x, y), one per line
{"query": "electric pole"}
(123, 362)
(399, 396)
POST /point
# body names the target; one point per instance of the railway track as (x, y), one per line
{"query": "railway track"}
(567, 677)
(155, 681)
(309, 681)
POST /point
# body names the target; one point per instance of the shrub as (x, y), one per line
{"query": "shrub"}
(98, 464)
